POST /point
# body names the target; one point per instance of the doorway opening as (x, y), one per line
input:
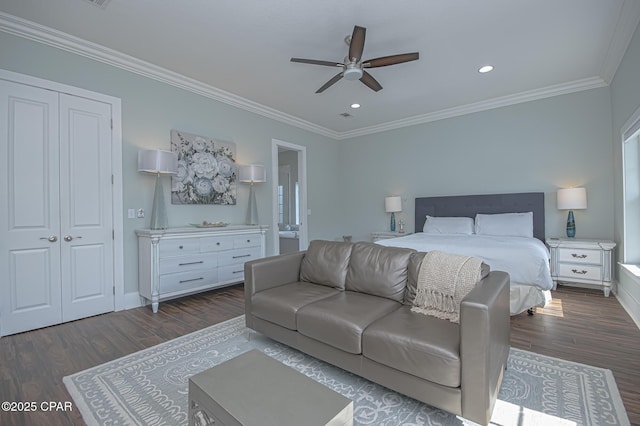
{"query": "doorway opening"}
(289, 192)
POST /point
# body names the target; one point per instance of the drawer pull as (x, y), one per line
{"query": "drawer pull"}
(180, 247)
(582, 272)
(244, 255)
(190, 263)
(578, 256)
(188, 281)
(238, 272)
(218, 243)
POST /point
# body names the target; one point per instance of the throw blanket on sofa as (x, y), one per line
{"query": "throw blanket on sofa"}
(444, 280)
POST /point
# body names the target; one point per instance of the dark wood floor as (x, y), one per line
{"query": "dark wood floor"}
(581, 326)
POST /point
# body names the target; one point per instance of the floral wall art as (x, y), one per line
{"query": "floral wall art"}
(207, 173)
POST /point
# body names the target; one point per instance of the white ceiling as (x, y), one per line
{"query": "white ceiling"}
(239, 51)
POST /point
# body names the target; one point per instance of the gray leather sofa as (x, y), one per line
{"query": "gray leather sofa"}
(349, 305)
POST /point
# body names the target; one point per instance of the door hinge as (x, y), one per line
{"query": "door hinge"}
(113, 234)
(112, 124)
(112, 178)
(114, 290)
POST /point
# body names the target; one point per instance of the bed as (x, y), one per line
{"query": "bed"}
(525, 257)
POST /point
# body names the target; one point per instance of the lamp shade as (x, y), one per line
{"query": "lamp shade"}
(572, 199)
(157, 161)
(253, 173)
(392, 204)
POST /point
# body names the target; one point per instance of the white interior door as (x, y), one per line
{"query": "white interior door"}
(56, 244)
(29, 220)
(85, 199)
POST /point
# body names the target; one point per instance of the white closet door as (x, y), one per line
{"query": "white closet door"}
(30, 284)
(85, 204)
(56, 218)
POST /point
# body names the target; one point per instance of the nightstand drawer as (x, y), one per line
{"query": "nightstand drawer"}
(579, 271)
(579, 255)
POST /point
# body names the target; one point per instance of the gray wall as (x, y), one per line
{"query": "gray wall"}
(542, 145)
(625, 100)
(150, 109)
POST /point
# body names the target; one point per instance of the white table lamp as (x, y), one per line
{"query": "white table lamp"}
(392, 205)
(252, 173)
(158, 162)
(572, 199)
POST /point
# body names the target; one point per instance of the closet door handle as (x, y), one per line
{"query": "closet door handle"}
(50, 238)
(68, 238)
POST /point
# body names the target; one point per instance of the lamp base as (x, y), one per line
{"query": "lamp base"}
(571, 225)
(159, 213)
(392, 225)
(252, 208)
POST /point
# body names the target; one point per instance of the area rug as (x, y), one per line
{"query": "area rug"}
(150, 387)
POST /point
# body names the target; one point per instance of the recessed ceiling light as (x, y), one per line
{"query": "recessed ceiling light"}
(486, 68)
(354, 106)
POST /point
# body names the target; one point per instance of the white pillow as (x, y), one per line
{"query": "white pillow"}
(448, 225)
(505, 224)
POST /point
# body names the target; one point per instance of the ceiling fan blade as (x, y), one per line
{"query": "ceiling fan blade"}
(357, 43)
(330, 83)
(370, 82)
(316, 62)
(391, 60)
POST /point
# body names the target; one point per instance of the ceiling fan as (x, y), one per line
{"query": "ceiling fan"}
(353, 66)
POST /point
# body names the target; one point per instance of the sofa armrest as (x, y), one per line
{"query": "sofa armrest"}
(269, 272)
(485, 329)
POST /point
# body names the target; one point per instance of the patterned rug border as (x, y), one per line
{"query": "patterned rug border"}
(238, 323)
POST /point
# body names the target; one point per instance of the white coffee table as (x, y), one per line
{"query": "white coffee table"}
(254, 389)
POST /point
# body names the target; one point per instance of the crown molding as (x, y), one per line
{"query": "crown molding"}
(58, 39)
(51, 37)
(518, 98)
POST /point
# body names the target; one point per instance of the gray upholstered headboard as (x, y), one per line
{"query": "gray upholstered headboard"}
(469, 205)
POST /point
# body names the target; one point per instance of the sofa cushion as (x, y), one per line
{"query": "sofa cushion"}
(325, 263)
(378, 270)
(416, 344)
(339, 320)
(279, 305)
(415, 261)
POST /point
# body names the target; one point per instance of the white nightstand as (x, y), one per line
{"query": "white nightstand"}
(384, 235)
(582, 261)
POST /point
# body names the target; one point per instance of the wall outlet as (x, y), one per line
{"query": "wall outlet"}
(140, 213)
(131, 213)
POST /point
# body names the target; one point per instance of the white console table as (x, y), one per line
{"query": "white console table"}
(179, 261)
(582, 262)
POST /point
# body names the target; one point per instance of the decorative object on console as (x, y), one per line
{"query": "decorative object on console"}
(206, 170)
(572, 199)
(252, 173)
(392, 205)
(158, 162)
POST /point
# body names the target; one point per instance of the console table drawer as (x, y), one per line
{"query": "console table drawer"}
(231, 272)
(216, 243)
(234, 257)
(583, 272)
(248, 241)
(577, 255)
(179, 246)
(182, 281)
(170, 265)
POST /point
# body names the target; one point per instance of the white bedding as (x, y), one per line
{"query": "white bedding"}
(526, 260)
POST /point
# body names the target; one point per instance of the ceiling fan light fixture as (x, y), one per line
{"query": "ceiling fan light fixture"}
(352, 74)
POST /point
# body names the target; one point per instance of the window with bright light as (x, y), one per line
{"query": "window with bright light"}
(631, 169)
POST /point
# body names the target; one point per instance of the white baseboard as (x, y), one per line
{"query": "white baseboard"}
(132, 300)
